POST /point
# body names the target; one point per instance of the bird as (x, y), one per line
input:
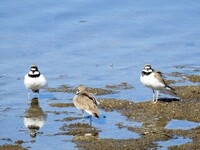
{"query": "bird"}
(155, 80)
(86, 102)
(34, 80)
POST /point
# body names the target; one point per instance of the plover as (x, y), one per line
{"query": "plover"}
(154, 80)
(86, 102)
(34, 80)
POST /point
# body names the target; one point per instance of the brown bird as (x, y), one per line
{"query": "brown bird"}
(86, 102)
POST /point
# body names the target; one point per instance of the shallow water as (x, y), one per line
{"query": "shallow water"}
(181, 124)
(95, 43)
(176, 141)
(107, 124)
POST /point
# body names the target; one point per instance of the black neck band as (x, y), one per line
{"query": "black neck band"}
(34, 75)
(146, 73)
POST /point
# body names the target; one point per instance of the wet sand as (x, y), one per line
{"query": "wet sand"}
(153, 116)
(12, 147)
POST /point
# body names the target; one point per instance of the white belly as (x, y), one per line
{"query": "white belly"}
(152, 82)
(35, 83)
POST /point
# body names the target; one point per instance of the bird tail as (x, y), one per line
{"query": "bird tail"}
(171, 90)
(95, 115)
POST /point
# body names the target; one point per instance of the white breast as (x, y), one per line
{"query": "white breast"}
(151, 81)
(35, 83)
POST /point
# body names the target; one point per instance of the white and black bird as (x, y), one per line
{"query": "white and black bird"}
(155, 80)
(86, 102)
(34, 80)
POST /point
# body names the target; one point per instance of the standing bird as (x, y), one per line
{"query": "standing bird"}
(34, 80)
(154, 80)
(86, 102)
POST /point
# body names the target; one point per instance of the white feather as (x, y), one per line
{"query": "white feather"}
(35, 83)
(152, 82)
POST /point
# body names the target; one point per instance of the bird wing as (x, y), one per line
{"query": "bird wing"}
(91, 97)
(83, 101)
(160, 77)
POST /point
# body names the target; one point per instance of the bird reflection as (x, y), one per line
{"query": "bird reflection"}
(34, 117)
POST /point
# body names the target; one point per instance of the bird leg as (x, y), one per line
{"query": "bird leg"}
(153, 94)
(90, 120)
(83, 115)
(157, 93)
(29, 94)
(38, 94)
